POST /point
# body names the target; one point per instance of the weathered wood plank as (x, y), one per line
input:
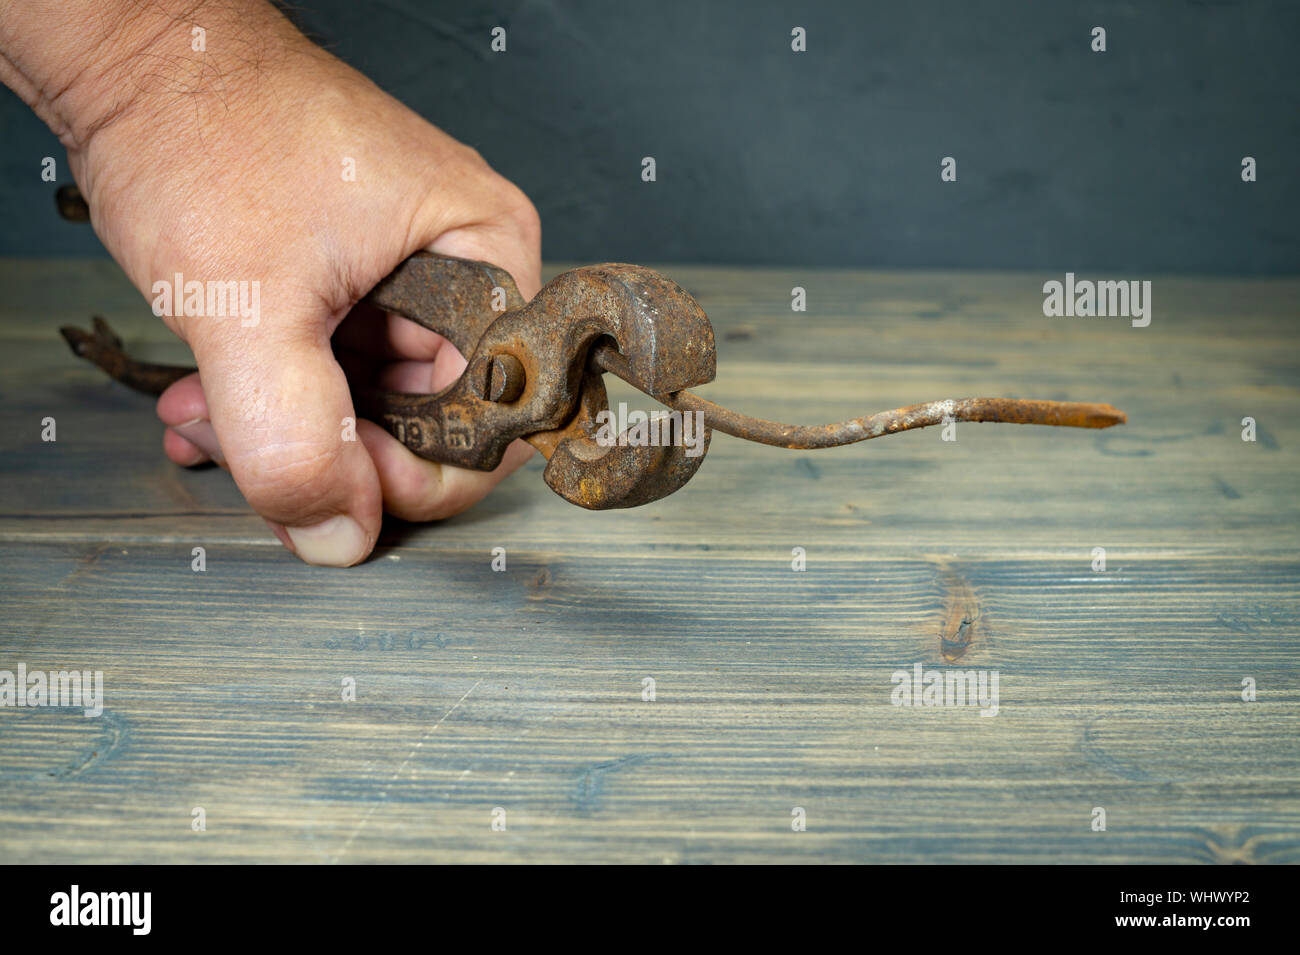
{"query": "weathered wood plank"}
(523, 690)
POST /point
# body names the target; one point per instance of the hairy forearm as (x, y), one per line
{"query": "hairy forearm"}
(80, 64)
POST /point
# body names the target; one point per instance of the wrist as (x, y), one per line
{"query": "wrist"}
(81, 65)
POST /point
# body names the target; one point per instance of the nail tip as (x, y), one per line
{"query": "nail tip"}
(335, 542)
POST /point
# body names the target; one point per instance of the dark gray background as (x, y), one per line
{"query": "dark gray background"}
(1067, 159)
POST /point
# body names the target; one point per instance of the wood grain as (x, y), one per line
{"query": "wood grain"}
(523, 690)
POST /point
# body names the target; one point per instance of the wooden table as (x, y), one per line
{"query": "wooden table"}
(517, 697)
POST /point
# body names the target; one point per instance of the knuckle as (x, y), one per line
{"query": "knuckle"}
(526, 219)
(471, 157)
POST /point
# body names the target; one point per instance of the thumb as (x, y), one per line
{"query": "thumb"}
(282, 420)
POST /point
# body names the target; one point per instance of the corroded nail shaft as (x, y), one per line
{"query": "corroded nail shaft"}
(1069, 414)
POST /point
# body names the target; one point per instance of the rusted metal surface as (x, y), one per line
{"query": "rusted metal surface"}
(1060, 414)
(534, 372)
(527, 374)
(71, 204)
(101, 347)
(598, 477)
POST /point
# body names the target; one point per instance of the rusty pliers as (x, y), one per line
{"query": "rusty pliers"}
(528, 375)
(535, 372)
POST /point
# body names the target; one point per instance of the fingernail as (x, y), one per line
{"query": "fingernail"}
(337, 542)
(202, 435)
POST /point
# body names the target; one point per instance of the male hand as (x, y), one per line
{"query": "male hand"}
(264, 159)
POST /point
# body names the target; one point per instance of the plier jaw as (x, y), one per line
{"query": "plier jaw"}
(528, 375)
